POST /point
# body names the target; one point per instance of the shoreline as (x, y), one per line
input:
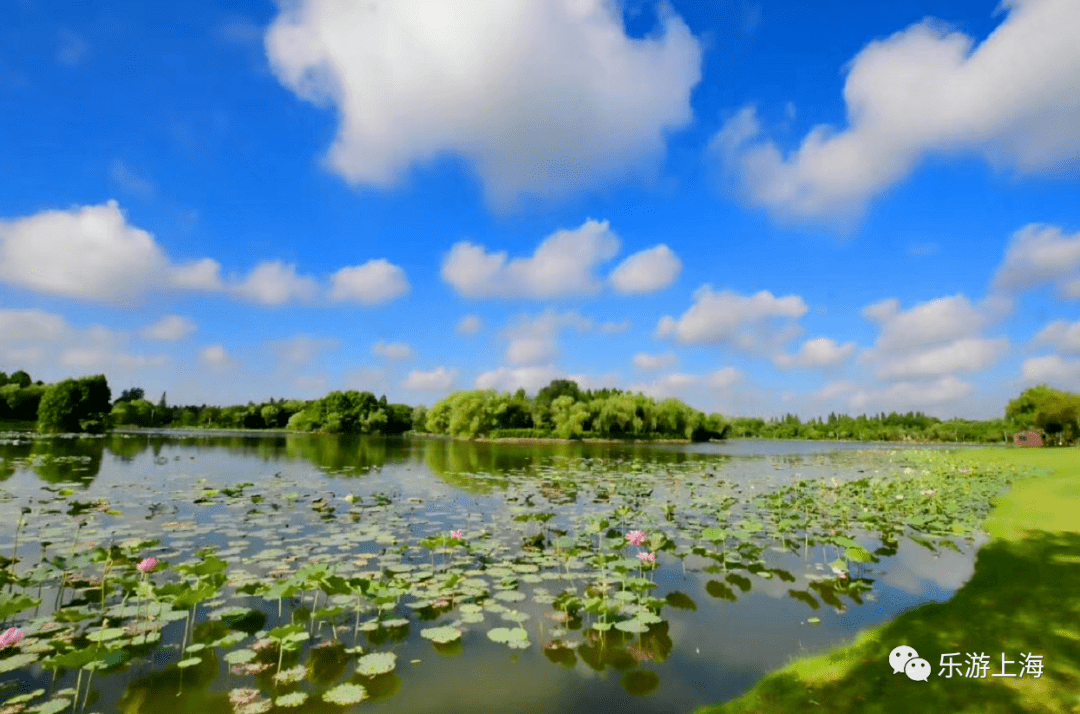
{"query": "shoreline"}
(1035, 529)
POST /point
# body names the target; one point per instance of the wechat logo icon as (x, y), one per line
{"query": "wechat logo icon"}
(905, 659)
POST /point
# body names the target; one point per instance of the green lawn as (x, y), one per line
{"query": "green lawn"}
(1024, 597)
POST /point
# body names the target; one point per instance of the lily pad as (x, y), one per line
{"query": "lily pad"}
(376, 663)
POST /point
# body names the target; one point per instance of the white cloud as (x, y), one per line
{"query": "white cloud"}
(275, 283)
(653, 362)
(1065, 337)
(126, 178)
(217, 359)
(646, 271)
(563, 265)
(1039, 254)
(723, 378)
(42, 341)
(533, 378)
(367, 379)
(374, 283)
(301, 350)
(681, 385)
(926, 90)
(90, 252)
(202, 274)
(31, 326)
(392, 350)
(729, 318)
(1053, 370)
(171, 328)
(911, 396)
(468, 325)
(534, 341)
(967, 354)
(928, 324)
(541, 97)
(102, 360)
(614, 328)
(437, 380)
(819, 352)
(834, 390)
(73, 50)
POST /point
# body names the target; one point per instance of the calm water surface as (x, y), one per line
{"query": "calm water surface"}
(709, 652)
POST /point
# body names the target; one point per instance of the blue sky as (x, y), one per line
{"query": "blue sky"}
(757, 207)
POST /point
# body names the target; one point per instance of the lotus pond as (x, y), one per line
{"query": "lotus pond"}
(215, 573)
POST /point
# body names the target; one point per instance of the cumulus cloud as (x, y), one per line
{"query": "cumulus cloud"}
(171, 328)
(1040, 254)
(93, 253)
(217, 359)
(926, 90)
(968, 354)
(647, 362)
(534, 378)
(540, 97)
(35, 339)
(646, 271)
(301, 350)
(468, 325)
(103, 360)
(819, 352)
(437, 380)
(679, 385)
(563, 265)
(1063, 336)
(89, 252)
(534, 340)
(31, 326)
(1053, 370)
(744, 321)
(392, 350)
(373, 283)
(928, 324)
(275, 283)
(911, 396)
(834, 390)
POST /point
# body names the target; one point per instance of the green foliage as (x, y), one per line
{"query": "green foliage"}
(131, 395)
(75, 405)
(20, 403)
(20, 378)
(563, 410)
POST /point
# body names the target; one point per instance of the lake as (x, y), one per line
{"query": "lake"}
(329, 562)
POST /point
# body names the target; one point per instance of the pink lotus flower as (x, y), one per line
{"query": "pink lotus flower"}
(635, 537)
(12, 636)
(647, 557)
(457, 534)
(147, 565)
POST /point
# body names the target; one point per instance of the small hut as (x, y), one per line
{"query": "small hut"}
(1027, 438)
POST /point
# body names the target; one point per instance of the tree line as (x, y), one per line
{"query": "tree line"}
(561, 409)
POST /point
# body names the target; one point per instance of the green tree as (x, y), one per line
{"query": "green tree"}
(1023, 410)
(75, 405)
(1059, 416)
(568, 417)
(419, 418)
(130, 395)
(20, 378)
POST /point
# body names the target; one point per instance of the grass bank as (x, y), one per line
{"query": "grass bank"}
(1024, 597)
